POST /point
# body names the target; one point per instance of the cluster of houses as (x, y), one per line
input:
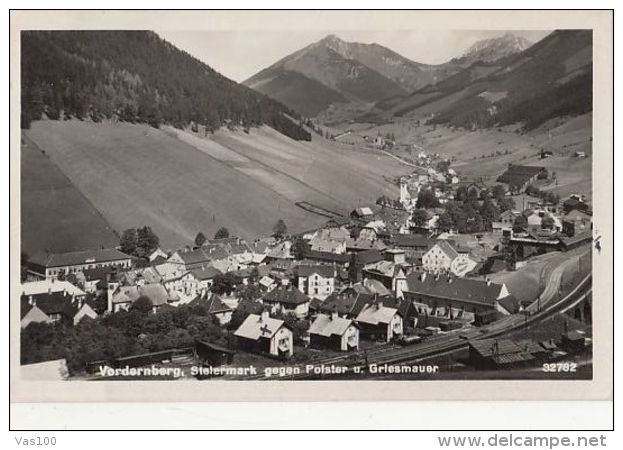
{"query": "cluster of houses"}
(369, 275)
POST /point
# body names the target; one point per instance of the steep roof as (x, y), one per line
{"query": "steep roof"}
(375, 314)
(205, 273)
(255, 327)
(54, 303)
(411, 240)
(286, 294)
(76, 258)
(517, 175)
(329, 325)
(447, 248)
(346, 303)
(213, 305)
(460, 289)
(322, 270)
(368, 257)
(43, 286)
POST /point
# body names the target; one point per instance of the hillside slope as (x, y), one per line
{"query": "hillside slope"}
(54, 214)
(134, 76)
(181, 183)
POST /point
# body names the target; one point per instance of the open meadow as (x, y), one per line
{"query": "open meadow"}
(55, 214)
(181, 183)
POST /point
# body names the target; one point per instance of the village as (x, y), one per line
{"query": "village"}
(431, 262)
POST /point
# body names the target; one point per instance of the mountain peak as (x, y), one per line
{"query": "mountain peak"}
(498, 47)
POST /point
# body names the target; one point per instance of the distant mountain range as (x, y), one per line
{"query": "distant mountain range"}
(549, 79)
(135, 76)
(332, 71)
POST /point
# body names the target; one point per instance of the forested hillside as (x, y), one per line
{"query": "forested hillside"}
(135, 76)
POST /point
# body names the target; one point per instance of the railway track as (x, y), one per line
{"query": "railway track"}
(447, 343)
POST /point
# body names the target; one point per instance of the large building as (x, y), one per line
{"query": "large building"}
(263, 334)
(52, 265)
(451, 297)
(316, 281)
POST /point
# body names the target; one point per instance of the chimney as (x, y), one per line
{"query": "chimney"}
(449, 280)
(334, 315)
(423, 277)
(265, 315)
(64, 292)
(49, 291)
(30, 300)
(379, 305)
(488, 282)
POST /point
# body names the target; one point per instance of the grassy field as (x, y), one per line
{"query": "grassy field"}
(55, 215)
(486, 153)
(180, 183)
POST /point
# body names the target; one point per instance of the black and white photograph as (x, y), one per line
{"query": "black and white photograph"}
(318, 204)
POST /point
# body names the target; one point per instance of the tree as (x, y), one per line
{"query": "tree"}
(489, 213)
(548, 223)
(221, 233)
(142, 304)
(445, 222)
(520, 221)
(129, 241)
(461, 193)
(280, 229)
(299, 248)
(200, 239)
(498, 191)
(224, 284)
(147, 242)
(426, 199)
(506, 204)
(419, 217)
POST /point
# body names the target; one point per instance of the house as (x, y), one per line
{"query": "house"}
(214, 307)
(495, 354)
(52, 265)
(318, 244)
(287, 299)
(122, 297)
(377, 321)
(448, 296)
(212, 354)
(362, 213)
(204, 277)
(537, 219)
(576, 222)
(263, 334)
(359, 245)
(157, 253)
(266, 283)
(54, 307)
(462, 264)
(505, 222)
(334, 332)
(94, 280)
(575, 201)
(390, 274)
(185, 283)
(341, 260)
(439, 258)
(372, 231)
(361, 260)
(518, 177)
(316, 281)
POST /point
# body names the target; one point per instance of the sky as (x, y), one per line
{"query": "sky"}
(240, 54)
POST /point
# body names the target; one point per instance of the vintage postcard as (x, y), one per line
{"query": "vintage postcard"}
(311, 205)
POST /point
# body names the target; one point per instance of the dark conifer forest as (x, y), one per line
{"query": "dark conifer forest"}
(135, 76)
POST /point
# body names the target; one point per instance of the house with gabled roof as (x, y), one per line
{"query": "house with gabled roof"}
(122, 297)
(377, 321)
(333, 332)
(54, 307)
(205, 276)
(439, 257)
(316, 281)
(452, 297)
(214, 306)
(264, 334)
(287, 300)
